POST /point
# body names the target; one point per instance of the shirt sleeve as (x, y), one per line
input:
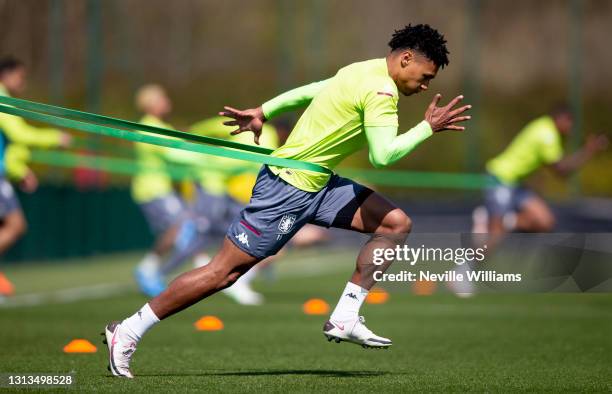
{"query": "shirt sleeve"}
(19, 131)
(386, 147)
(379, 103)
(292, 99)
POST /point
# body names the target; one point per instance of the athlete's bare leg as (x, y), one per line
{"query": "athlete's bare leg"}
(187, 289)
(165, 241)
(13, 227)
(309, 235)
(535, 217)
(390, 227)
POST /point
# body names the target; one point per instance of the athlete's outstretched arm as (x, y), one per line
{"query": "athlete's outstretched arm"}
(18, 131)
(570, 163)
(292, 99)
(254, 118)
(386, 147)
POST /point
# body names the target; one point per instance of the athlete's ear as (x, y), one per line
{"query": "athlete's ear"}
(406, 57)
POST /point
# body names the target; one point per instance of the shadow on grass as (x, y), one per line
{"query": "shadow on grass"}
(279, 372)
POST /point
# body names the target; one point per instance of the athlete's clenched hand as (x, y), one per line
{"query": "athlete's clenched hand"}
(596, 143)
(247, 120)
(444, 118)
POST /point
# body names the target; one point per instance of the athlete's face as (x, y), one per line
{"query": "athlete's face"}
(161, 106)
(414, 73)
(14, 80)
(564, 123)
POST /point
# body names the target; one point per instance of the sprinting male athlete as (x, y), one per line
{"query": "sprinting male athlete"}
(354, 109)
(510, 205)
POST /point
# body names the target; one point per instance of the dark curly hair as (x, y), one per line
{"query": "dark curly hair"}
(424, 39)
(9, 63)
(561, 109)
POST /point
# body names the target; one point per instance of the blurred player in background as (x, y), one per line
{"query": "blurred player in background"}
(153, 191)
(15, 137)
(354, 109)
(512, 206)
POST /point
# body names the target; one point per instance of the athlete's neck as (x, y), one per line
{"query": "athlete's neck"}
(158, 116)
(389, 65)
(392, 70)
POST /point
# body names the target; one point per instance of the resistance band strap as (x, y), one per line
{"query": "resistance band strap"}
(128, 166)
(412, 179)
(126, 124)
(161, 141)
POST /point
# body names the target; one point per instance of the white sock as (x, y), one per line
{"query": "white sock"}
(350, 301)
(150, 262)
(140, 322)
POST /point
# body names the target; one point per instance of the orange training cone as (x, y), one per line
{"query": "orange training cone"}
(377, 296)
(315, 306)
(6, 287)
(209, 323)
(80, 346)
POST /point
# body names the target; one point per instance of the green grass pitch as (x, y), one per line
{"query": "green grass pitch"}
(492, 342)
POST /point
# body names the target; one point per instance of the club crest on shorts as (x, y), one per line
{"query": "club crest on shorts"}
(286, 223)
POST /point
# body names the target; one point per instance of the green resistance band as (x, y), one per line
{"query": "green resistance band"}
(419, 179)
(126, 166)
(414, 179)
(57, 116)
(126, 124)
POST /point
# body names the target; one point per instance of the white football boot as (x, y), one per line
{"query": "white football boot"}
(120, 350)
(356, 332)
(244, 294)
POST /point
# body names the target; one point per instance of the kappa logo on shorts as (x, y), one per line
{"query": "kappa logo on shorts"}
(243, 239)
(286, 223)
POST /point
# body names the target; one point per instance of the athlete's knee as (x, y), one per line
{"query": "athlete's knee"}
(545, 223)
(16, 224)
(540, 220)
(21, 228)
(396, 222)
